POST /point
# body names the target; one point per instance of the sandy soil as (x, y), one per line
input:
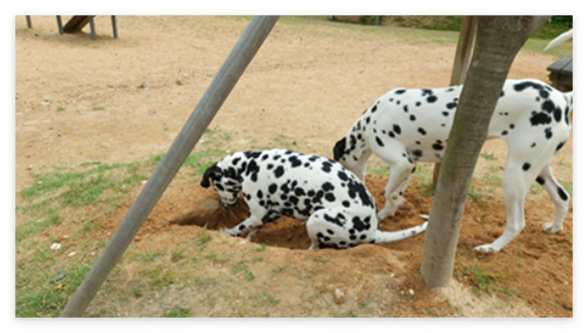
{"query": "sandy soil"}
(126, 99)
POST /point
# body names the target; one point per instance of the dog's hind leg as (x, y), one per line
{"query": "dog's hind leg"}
(558, 195)
(394, 198)
(325, 228)
(521, 169)
(401, 166)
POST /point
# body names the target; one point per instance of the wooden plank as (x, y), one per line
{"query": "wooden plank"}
(563, 64)
(227, 77)
(76, 23)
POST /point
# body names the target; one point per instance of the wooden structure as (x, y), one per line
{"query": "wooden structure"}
(77, 23)
(561, 73)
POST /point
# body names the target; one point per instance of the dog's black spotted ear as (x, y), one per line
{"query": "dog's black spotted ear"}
(207, 175)
(339, 149)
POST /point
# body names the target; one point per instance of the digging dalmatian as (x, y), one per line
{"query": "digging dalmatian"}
(339, 210)
(406, 126)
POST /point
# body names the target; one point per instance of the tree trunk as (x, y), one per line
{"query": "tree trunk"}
(461, 61)
(499, 38)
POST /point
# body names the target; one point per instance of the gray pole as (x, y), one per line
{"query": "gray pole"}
(59, 25)
(92, 27)
(221, 86)
(114, 30)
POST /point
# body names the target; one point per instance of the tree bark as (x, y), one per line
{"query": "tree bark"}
(499, 38)
(461, 61)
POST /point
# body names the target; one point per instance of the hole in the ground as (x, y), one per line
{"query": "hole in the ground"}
(284, 232)
(288, 232)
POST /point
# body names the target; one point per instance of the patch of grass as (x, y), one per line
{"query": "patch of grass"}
(271, 299)
(283, 141)
(179, 82)
(31, 228)
(149, 256)
(137, 293)
(178, 313)
(161, 279)
(381, 171)
(83, 187)
(249, 276)
(50, 297)
(97, 108)
(473, 193)
(493, 179)
(90, 184)
(177, 255)
(239, 267)
(204, 238)
(489, 157)
(494, 169)
(61, 108)
(256, 259)
(483, 281)
(280, 268)
(348, 314)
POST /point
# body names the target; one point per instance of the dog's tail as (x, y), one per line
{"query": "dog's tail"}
(393, 236)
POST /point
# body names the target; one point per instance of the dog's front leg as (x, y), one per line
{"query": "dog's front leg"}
(250, 223)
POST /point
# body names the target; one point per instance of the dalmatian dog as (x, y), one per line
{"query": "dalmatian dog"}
(339, 210)
(406, 126)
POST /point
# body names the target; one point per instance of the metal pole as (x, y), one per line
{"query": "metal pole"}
(29, 24)
(114, 30)
(221, 86)
(92, 27)
(59, 25)
(460, 63)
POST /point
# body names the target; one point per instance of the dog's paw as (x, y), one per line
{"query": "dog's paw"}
(486, 248)
(551, 228)
(383, 215)
(229, 232)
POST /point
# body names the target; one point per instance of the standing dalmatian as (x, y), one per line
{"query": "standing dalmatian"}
(409, 125)
(340, 210)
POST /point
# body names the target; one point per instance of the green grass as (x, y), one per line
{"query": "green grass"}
(44, 297)
(473, 193)
(249, 276)
(239, 267)
(94, 187)
(178, 313)
(204, 238)
(489, 157)
(483, 281)
(550, 30)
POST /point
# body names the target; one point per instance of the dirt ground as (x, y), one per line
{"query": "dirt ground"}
(126, 99)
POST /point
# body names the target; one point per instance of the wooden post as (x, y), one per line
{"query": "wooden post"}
(460, 63)
(221, 86)
(29, 24)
